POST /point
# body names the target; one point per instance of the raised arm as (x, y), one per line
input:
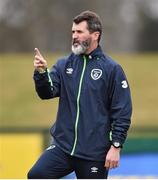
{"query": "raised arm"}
(47, 84)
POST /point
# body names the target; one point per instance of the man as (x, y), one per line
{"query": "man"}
(94, 106)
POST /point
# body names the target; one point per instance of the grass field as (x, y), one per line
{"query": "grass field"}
(20, 105)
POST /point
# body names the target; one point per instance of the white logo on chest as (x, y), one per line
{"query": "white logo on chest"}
(69, 70)
(96, 73)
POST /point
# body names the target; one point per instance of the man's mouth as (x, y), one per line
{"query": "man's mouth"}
(76, 43)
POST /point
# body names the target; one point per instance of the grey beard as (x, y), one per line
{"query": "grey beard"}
(78, 50)
(81, 48)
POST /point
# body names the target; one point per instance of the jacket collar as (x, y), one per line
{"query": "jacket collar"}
(96, 53)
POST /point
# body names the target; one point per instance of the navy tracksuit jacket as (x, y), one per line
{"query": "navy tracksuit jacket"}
(94, 102)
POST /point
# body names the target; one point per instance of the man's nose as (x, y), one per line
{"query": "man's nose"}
(75, 35)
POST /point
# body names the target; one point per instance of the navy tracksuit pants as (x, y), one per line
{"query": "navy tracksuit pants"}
(54, 164)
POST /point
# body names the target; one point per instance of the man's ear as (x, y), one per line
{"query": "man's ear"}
(96, 35)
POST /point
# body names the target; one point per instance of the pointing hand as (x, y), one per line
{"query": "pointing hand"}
(40, 63)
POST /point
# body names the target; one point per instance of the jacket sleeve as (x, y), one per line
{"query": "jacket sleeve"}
(47, 84)
(120, 106)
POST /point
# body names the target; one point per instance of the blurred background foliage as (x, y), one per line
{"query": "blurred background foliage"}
(129, 25)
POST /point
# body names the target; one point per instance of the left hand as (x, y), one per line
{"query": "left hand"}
(112, 158)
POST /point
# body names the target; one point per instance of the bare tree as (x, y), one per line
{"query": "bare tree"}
(47, 24)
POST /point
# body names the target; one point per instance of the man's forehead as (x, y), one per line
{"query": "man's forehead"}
(81, 25)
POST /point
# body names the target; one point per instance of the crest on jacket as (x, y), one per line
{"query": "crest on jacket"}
(96, 73)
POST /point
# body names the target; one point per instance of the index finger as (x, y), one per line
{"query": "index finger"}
(37, 52)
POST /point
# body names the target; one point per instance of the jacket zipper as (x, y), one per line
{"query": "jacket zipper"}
(78, 106)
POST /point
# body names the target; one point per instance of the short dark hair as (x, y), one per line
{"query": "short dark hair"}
(92, 19)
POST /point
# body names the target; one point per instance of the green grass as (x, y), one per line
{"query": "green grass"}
(20, 106)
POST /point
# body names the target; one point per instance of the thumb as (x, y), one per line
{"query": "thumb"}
(37, 52)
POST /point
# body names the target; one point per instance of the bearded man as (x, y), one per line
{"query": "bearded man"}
(94, 106)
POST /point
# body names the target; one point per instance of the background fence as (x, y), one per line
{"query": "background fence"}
(19, 149)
